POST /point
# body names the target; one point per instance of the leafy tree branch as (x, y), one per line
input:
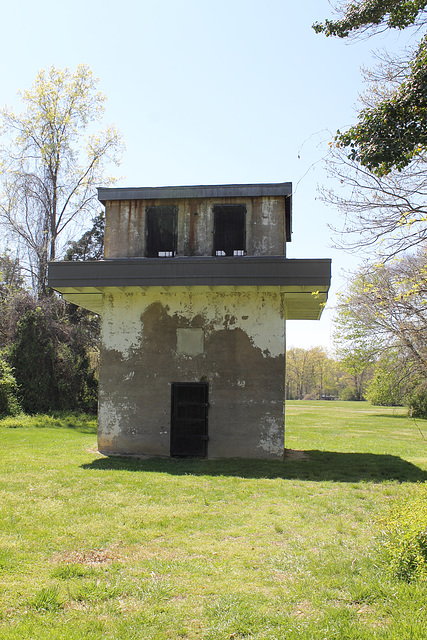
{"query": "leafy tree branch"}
(392, 132)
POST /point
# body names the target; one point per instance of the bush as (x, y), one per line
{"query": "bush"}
(75, 379)
(348, 393)
(50, 361)
(32, 357)
(9, 404)
(417, 401)
(404, 538)
(386, 390)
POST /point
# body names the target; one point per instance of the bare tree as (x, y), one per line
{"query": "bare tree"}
(387, 214)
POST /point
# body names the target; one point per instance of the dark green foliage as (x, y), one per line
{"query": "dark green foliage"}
(417, 401)
(9, 405)
(50, 361)
(77, 385)
(370, 14)
(91, 244)
(392, 132)
(32, 356)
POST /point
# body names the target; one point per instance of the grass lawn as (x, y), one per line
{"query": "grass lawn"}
(99, 548)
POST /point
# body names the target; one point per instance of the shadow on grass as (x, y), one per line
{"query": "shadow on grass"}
(398, 416)
(317, 466)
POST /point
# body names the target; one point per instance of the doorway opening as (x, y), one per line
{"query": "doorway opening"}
(189, 419)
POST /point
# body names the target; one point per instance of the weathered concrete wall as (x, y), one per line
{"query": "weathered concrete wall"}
(235, 341)
(265, 226)
(125, 229)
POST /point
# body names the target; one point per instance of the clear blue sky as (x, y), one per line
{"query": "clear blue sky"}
(234, 91)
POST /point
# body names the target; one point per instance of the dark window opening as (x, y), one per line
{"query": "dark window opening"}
(229, 230)
(161, 227)
(189, 419)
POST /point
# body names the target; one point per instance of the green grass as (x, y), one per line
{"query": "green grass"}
(98, 548)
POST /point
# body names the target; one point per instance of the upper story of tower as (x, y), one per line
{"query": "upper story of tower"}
(196, 221)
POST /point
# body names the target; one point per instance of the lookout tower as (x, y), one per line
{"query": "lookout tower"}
(193, 296)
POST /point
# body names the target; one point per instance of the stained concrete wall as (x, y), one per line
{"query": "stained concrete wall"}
(235, 341)
(265, 226)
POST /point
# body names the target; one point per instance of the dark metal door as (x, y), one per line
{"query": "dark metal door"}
(189, 420)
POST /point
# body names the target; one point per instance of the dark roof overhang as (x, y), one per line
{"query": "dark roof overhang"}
(305, 281)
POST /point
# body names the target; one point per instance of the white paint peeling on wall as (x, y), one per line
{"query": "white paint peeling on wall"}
(109, 421)
(268, 209)
(271, 439)
(121, 322)
(259, 314)
(126, 418)
(271, 239)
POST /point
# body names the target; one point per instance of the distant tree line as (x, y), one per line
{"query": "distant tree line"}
(313, 374)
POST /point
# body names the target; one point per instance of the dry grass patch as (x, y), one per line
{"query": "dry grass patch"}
(92, 557)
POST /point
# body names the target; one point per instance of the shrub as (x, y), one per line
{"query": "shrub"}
(32, 357)
(417, 401)
(386, 388)
(348, 393)
(75, 379)
(50, 361)
(404, 537)
(9, 404)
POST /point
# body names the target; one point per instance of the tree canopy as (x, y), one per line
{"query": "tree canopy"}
(383, 317)
(373, 15)
(391, 133)
(91, 245)
(379, 164)
(51, 160)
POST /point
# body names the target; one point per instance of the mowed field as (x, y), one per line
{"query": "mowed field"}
(102, 548)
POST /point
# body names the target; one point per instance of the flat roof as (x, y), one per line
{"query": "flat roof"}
(196, 191)
(195, 271)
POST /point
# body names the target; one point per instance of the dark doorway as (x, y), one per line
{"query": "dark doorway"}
(189, 419)
(229, 230)
(161, 229)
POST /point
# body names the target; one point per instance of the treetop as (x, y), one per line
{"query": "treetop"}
(361, 16)
(392, 132)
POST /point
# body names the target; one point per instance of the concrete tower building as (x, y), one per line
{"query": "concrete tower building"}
(193, 295)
